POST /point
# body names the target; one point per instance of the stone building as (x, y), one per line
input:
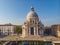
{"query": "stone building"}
(6, 29)
(47, 31)
(32, 26)
(56, 30)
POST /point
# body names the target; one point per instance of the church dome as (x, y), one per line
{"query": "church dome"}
(32, 14)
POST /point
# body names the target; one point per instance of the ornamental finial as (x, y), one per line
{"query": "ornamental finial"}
(32, 8)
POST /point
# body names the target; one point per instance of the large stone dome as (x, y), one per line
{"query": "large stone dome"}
(32, 14)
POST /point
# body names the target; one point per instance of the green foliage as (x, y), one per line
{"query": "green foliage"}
(18, 29)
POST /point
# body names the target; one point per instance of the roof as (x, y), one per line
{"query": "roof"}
(9, 24)
(56, 25)
(31, 14)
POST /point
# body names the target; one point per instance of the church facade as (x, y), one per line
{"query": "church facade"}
(32, 26)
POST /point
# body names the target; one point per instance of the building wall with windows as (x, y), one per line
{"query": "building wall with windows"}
(56, 30)
(47, 31)
(6, 29)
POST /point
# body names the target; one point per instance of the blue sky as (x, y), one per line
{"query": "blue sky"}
(15, 11)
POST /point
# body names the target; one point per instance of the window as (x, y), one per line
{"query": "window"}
(0, 31)
(38, 31)
(32, 31)
(9, 32)
(33, 22)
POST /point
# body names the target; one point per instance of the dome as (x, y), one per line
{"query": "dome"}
(32, 14)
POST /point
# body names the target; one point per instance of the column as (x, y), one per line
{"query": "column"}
(34, 31)
(37, 31)
(29, 31)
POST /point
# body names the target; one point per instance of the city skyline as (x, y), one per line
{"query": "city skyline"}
(15, 11)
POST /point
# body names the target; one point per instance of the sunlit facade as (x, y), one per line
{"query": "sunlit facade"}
(56, 30)
(6, 29)
(32, 26)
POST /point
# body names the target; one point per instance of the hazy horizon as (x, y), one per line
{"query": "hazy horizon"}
(15, 11)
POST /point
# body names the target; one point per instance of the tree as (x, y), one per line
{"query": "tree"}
(18, 29)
